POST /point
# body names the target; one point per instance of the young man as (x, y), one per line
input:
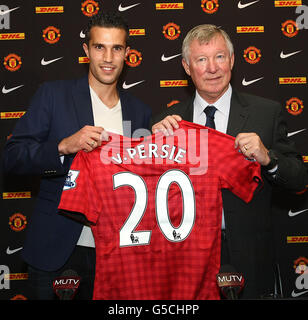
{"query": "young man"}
(261, 135)
(65, 117)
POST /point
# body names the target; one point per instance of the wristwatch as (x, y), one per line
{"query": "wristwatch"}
(273, 160)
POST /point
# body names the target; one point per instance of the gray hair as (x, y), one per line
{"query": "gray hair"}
(204, 33)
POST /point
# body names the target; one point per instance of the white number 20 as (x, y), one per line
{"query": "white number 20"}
(128, 235)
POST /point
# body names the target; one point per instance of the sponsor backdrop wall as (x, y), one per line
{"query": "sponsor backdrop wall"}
(42, 40)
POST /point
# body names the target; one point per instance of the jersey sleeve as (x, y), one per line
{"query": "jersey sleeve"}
(239, 174)
(79, 195)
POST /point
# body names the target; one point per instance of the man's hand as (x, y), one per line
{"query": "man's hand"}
(167, 125)
(252, 147)
(86, 139)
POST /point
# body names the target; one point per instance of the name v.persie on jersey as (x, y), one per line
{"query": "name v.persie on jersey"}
(159, 149)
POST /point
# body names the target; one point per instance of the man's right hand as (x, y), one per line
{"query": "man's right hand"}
(167, 125)
(86, 139)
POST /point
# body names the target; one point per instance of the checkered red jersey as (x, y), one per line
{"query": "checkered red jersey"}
(155, 207)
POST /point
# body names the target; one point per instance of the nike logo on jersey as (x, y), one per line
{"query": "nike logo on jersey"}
(127, 86)
(121, 8)
(242, 6)
(2, 13)
(164, 59)
(284, 56)
(5, 91)
(45, 63)
(248, 83)
(295, 213)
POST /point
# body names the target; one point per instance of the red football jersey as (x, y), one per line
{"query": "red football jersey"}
(155, 209)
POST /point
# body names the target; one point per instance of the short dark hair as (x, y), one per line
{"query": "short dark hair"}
(107, 20)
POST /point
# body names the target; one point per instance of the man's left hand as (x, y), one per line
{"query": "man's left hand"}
(252, 147)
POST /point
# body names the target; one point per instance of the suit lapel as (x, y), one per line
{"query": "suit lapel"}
(238, 114)
(82, 100)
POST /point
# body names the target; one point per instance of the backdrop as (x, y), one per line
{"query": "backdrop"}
(42, 40)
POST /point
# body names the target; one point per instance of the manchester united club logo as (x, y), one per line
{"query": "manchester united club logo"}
(252, 55)
(301, 265)
(289, 28)
(89, 8)
(133, 58)
(209, 6)
(17, 222)
(12, 62)
(294, 106)
(171, 31)
(51, 35)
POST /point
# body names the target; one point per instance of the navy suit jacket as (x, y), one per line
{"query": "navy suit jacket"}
(57, 110)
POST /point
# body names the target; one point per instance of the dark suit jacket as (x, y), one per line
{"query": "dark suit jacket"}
(57, 110)
(248, 226)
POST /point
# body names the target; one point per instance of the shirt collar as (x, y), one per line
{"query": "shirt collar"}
(222, 104)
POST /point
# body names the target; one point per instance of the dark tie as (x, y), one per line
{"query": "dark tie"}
(210, 112)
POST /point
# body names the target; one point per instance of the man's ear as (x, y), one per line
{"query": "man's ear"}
(86, 49)
(186, 66)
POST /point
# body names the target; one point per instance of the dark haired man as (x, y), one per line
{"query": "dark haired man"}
(65, 117)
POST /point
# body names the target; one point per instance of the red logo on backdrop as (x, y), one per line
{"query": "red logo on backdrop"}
(133, 58)
(17, 222)
(289, 28)
(12, 62)
(172, 103)
(171, 31)
(51, 35)
(301, 265)
(209, 6)
(89, 8)
(295, 106)
(252, 55)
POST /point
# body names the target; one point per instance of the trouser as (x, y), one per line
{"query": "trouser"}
(82, 261)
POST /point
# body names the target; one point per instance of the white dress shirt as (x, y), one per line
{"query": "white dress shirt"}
(221, 116)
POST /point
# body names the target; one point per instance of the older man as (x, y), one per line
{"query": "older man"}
(261, 135)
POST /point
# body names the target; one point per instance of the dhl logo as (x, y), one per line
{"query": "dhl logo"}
(54, 9)
(170, 6)
(249, 29)
(173, 83)
(16, 276)
(16, 195)
(294, 3)
(137, 32)
(292, 80)
(297, 239)
(83, 60)
(12, 36)
(12, 115)
(305, 159)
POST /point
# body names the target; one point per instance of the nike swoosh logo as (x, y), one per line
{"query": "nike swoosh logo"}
(164, 59)
(9, 251)
(82, 34)
(128, 7)
(5, 91)
(295, 213)
(2, 13)
(242, 6)
(284, 56)
(45, 63)
(247, 83)
(290, 134)
(127, 86)
(297, 294)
